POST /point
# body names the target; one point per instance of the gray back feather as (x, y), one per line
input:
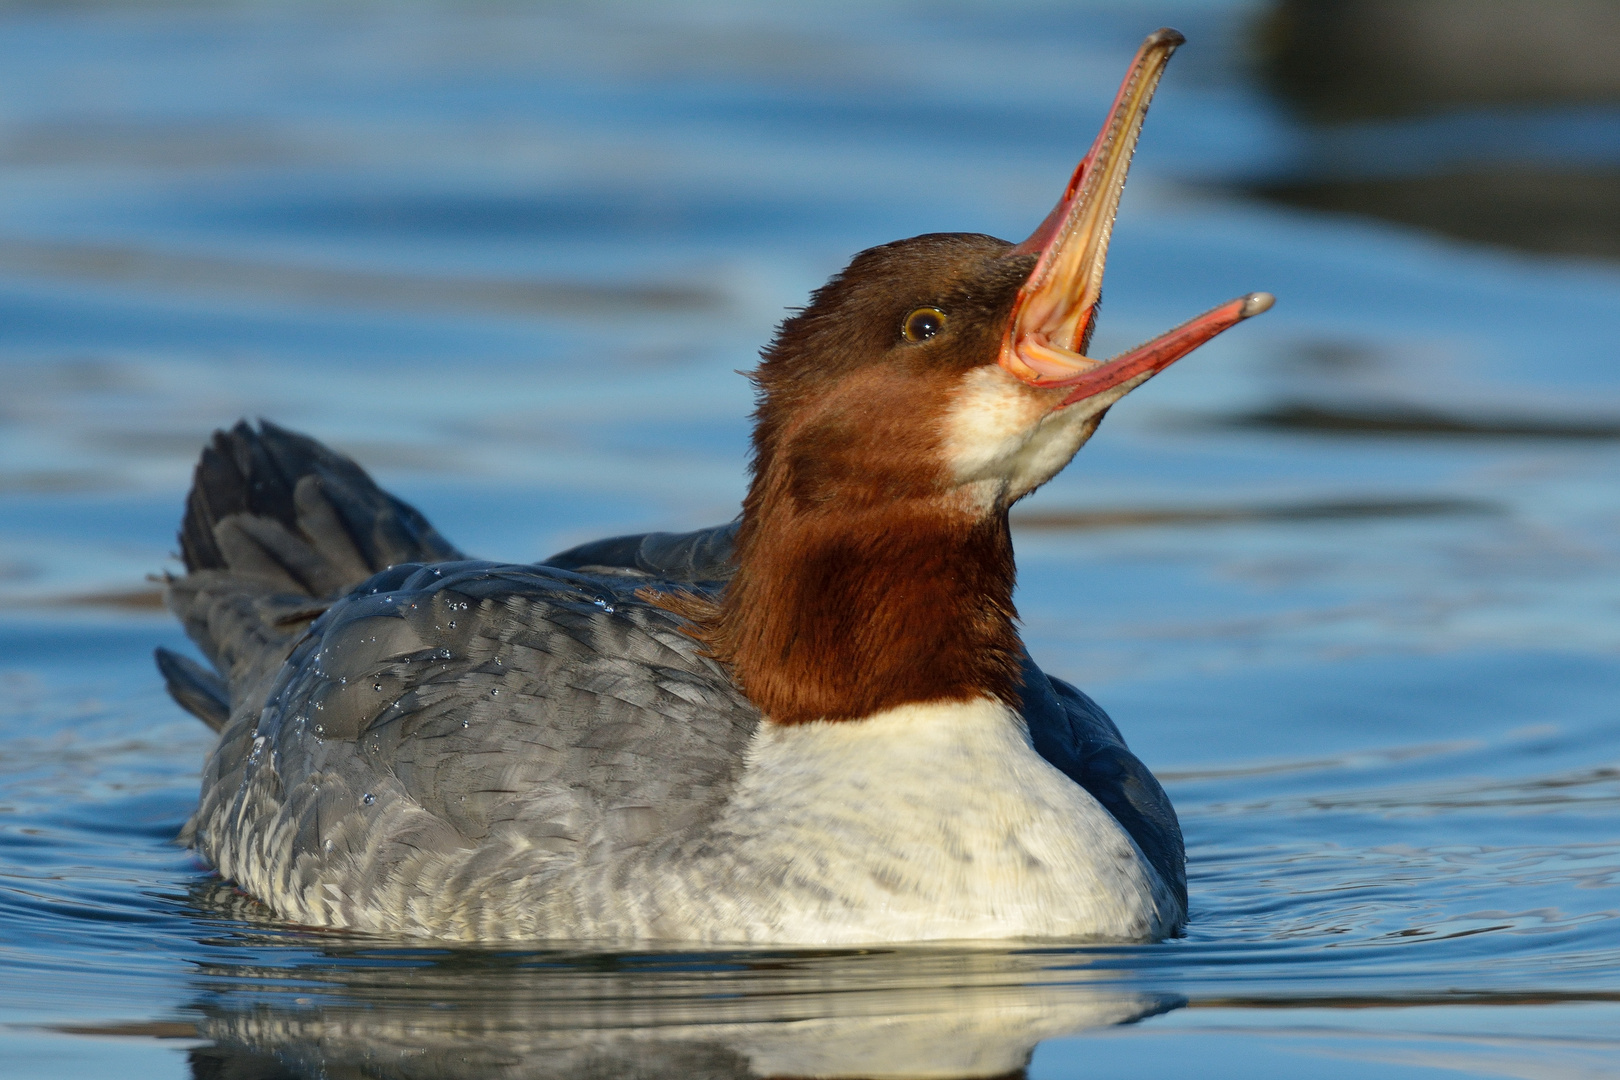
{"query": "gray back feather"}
(442, 712)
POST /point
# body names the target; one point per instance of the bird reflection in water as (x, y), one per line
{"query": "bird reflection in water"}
(418, 1013)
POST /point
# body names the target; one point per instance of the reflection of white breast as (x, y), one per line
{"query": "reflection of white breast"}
(930, 821)
(935, 1012)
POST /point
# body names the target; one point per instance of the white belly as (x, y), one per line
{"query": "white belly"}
(927, 822)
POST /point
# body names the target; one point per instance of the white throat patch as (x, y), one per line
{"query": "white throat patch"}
(1002, 439)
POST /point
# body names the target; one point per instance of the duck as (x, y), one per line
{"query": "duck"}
(814, 725)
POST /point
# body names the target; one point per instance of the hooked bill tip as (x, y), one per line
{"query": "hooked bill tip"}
(1167, 36)
(1255, 303)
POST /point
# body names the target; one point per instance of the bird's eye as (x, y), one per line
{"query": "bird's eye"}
(922, 324)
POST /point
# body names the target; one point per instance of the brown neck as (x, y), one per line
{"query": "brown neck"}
(839, 615)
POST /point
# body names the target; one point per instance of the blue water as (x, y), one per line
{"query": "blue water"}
(511, 256)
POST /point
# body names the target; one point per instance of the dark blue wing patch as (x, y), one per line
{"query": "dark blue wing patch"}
(1073, 733)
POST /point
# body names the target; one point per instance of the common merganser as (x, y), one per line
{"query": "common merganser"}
(815, 725)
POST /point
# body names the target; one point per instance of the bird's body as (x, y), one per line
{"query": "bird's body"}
(467, 749)
(815, 725)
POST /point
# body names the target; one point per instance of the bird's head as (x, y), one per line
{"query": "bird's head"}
(951, 368)
(925, 388)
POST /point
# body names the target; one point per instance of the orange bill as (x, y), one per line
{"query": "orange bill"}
(1055, 311)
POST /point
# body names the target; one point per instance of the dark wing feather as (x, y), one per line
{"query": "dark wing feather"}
(1073, 733)
(703, 556)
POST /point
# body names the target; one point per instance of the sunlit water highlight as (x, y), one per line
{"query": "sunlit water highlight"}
(511, 258)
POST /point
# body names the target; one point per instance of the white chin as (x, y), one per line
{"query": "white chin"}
(1003, 439)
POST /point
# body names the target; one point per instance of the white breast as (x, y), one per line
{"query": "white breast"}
(926, 822)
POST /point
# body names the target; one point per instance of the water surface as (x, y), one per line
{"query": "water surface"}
(1347, 579)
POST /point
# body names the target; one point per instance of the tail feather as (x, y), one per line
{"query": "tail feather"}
(277, 477)
(276, 525)
(194, 688)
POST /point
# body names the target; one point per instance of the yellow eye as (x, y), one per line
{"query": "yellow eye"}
(922, 324)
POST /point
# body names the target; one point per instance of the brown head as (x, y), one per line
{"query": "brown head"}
(924, 390)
